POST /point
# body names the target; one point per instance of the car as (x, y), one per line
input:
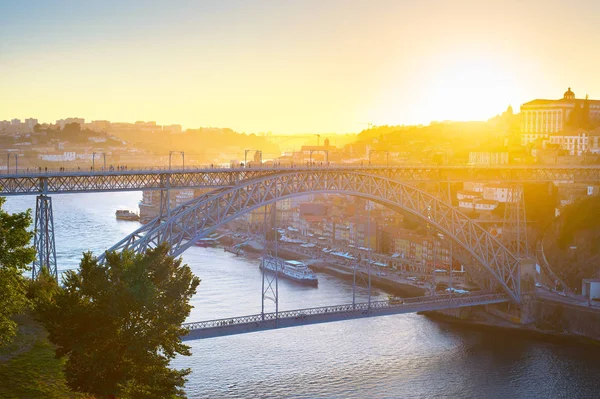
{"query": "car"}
(538, 285)
(562, 293)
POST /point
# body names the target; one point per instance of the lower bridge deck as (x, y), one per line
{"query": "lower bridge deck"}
(326, 314)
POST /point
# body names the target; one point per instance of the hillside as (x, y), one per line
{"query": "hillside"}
(28, 367)
(571, 244)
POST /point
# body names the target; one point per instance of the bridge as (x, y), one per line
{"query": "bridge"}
(34, 182)
(236, 191)
(326, 314)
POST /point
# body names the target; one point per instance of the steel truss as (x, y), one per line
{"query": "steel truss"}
(514, 229)
(34, 183)
(203, 215)
(270, 281)
(43, 241)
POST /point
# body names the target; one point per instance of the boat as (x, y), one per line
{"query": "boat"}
(207, 242)
(292, 269)
(124, 214)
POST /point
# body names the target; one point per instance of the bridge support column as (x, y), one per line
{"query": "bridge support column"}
(270, 281)
(44, 242)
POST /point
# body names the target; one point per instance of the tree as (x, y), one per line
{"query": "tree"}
(15, 254)
(119, 324)
(72, 127)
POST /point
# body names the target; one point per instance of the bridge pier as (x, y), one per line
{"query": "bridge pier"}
(44, 242)
(270, 281)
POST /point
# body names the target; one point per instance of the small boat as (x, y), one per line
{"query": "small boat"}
(124, 214)
(207, 242)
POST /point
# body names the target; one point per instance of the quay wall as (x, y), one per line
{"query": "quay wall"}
(538, 316)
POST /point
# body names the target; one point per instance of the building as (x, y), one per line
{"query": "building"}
(478, 204)
(66, 156)
(590, 288)
(61, 123)
(497, 192)
(541, 118)
(30, 124)
(575, 143)
(488, 158)
(99, 126)
(173, 129)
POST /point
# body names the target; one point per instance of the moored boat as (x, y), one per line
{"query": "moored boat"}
(291, 269)
(124, 214)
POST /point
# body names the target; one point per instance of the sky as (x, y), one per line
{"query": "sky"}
(292, 66)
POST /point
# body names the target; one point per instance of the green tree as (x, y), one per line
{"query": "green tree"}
(15, 254)
(119, 324)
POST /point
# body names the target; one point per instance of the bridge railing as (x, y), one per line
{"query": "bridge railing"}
(236, 167)
(363, 307)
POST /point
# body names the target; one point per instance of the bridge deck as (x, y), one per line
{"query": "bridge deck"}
(34, 182)
(326, 314)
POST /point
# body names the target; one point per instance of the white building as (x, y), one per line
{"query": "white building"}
(464, 194)
(540, 118)
(478, 204)
(497, 192)
(473, 186)
(590, 288)
(576, 143)
(67, 156)
(488, 158)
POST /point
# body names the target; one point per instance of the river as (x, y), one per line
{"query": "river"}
(403, 356)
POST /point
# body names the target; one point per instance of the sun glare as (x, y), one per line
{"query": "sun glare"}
(470, 88)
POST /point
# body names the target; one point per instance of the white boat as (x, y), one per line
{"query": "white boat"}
(292, 269)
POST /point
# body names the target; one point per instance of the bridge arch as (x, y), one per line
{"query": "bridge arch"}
(202, 215)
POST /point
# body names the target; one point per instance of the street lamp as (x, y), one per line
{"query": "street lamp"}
(8, 156)
(387, 156)
(246, 156)
(94, 156)
(182, 158)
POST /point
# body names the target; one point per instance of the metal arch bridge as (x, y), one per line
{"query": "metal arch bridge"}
(31, 182)
(186, 224)
(239, 190)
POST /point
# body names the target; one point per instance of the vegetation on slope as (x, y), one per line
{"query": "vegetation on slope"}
(28, 366)
(571, 244)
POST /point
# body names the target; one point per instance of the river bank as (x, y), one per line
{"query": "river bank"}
(536, 317)
(384, 283)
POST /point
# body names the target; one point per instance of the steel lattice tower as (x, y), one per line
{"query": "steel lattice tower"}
(514, 229)
(44, 238)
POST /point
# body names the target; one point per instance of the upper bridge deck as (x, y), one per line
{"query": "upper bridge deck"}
(61, 181)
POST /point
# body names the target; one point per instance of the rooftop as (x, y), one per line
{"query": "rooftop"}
(591, 280)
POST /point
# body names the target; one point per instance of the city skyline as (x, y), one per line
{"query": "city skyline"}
(292, 67)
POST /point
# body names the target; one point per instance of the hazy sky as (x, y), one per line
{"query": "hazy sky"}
(292, 66)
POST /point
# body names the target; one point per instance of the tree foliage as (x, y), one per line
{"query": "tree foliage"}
(119, 324)
(15, 254)
(571, 245)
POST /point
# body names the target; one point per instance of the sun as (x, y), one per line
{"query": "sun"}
(470, 88)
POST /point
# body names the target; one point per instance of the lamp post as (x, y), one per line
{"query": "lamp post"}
(8, 156)
(246, 156)
(387, 156)
(182, 158)
(94, 157)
